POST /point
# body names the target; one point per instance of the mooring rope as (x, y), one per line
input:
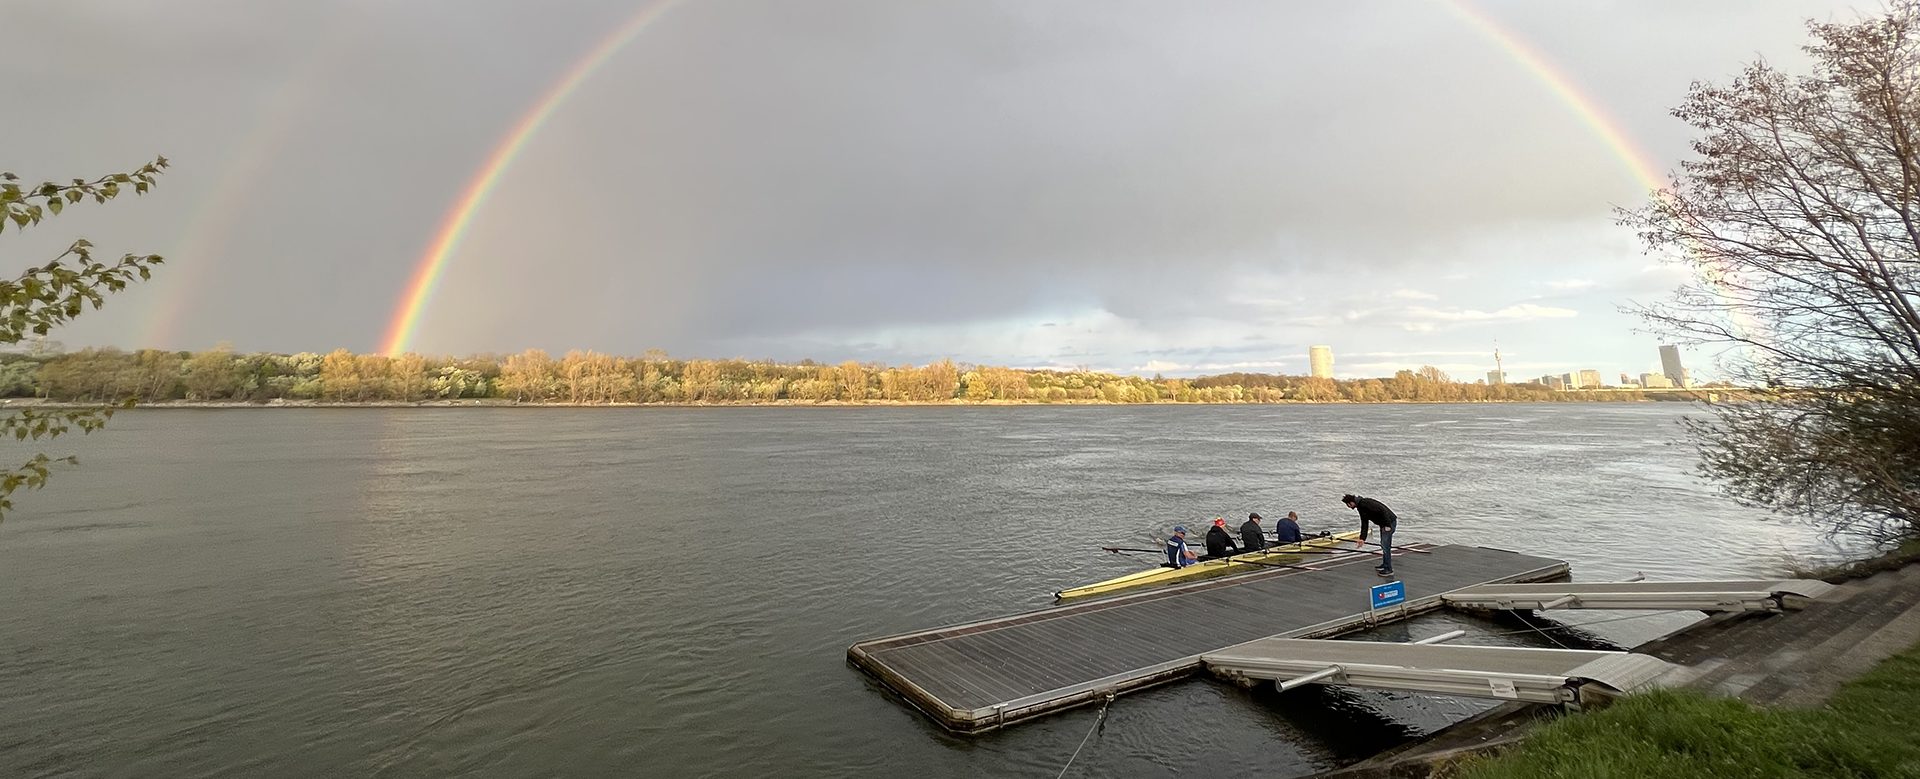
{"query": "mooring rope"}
(1528, 621)
(1099, 723)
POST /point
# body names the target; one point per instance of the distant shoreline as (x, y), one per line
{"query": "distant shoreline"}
(498, 403)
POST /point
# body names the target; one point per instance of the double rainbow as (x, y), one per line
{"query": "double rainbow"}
(453, 227)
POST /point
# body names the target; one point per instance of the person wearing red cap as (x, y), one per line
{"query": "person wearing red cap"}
(1219, 541)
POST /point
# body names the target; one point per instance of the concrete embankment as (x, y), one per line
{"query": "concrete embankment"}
(1791, 659)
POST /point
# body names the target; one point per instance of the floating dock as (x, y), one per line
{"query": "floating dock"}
(983, 675)
(1558, 676)
(1710, 596)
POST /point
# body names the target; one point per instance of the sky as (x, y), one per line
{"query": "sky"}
(1139, 187)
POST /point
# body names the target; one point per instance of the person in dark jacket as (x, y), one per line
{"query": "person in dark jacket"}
(1286, 530)
(1219, 541)
(1252, 538)
(1375, 512)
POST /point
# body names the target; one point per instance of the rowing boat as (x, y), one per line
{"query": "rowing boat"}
(1207, 569)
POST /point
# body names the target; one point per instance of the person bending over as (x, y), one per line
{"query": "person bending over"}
(1376, 513)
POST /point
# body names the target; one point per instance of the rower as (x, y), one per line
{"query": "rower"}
(1251, 539)
(1219, 542)
(1178, 555)
(1286, 530)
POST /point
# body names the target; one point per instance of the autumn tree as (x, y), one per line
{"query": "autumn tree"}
(853, 381)
(410, 380)
(1798, 219)
(340, 376)
(46, 296)
(527, 376)
(212, 375)
(157, 372)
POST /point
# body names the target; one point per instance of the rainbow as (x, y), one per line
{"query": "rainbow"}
(1564, 87)
(1609, 131)
(204, 233)
(453, 227)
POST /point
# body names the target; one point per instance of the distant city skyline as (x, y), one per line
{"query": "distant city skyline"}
(1321, 358)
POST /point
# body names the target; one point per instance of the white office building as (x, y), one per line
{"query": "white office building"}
(1320, 361)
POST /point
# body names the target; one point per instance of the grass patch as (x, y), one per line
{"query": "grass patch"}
(1871, 728)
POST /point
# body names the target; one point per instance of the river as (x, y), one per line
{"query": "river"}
(671, 591)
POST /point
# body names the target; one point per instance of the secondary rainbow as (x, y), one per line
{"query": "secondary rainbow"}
(453, 227)
(204, 233)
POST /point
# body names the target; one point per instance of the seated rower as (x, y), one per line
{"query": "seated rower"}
(1219, 542)
(1286, 530)
(1178, 555)
(1251, 537)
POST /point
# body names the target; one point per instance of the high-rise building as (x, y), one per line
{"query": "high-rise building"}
(1625, 380)
(1655, 381)
(1320, 361)
(1567, 382)
(1686, 377)
(1554, 382)
(1496, 378)
(1590, 379)
(1670, 365)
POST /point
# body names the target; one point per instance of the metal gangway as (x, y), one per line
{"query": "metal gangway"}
(1757, 595)
(1568, 677)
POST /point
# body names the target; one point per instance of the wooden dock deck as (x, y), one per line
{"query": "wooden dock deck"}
(983, 675)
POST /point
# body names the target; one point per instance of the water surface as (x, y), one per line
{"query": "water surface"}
(671, 592)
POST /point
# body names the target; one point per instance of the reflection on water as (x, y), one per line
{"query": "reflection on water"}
(522, 592)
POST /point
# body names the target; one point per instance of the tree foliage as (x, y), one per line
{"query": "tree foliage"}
(1799, 219)
(48, 295)
(590, 378)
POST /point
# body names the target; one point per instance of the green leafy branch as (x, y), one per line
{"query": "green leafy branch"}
(41, 298)
(53, 294)
(20, 206)
(32, 475)
(30, 424)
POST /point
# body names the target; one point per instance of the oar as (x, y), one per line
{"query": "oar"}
(1119, 549)
(1302, 548)
(1398, 548)
(1269, 565)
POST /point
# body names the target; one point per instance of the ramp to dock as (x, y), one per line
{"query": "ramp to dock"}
(1759, 595)
(982, 675)
(1565, 676)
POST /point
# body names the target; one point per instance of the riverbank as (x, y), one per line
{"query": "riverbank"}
(1867, 729)
(1809, 693)
(789, 403)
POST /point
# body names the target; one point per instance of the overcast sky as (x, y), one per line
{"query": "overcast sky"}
(1131, 186)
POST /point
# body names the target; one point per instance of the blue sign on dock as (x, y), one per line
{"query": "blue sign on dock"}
(1389, 594)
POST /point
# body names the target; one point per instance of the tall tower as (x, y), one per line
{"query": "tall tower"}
(1320, 361)
(1499, 374)
(1670, 365)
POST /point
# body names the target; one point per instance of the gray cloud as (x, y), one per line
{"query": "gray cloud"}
(873, 180)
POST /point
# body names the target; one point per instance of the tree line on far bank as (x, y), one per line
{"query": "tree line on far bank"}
(587, 378)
